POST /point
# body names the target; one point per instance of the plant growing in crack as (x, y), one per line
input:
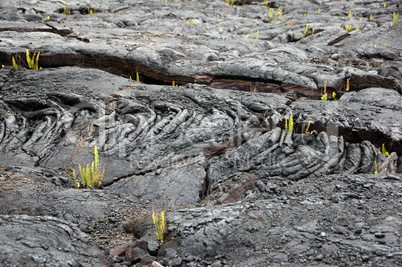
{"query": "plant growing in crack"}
(159, 222)
(384, 150)
(34, 61)
(66, 11)
(324, 97)
(308, 127)
(289, 126)
(305, 29)
(91, 175)
(395, 19)
(15, 64)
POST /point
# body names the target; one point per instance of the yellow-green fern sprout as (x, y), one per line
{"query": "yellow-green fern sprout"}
(15, 64)
(289, 126)
(305, 28)
(33, 63)
(308, 126)
(159, 222)
(77, 184)
(384, 150)
(91, 175)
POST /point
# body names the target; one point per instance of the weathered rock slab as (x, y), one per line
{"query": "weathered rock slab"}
(44, 241)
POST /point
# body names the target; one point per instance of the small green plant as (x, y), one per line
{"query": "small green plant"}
(319, 11)
(275, 15)
(137, 77)
(308, 126)
(348, 27)
(251, 35)
(294, 4)
(312, 30)
(357, 27)
(66, 11)
(371, 17)
(334, 96)
(34, 61)
(289, 126)
(395, 19)
(91, 175)
(15, 64)
(385, 4)
(324, 97)
(305, 29)
(384, 150)
(350, 14)
(159, 222)
(376, 168)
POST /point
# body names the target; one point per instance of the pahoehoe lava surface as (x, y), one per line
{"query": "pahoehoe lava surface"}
(215, 152)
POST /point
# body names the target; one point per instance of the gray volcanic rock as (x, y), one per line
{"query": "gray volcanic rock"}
(204, 42)
(215, 152)
(299, 223)
(33, 241)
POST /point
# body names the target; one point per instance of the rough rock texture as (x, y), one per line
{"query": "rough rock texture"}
(215, 152)
(43, 240)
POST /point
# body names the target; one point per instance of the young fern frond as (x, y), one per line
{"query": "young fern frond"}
(82, 175)
(384, 150)
(289, 126)
(286, 124)
(33, 63)
(163, 221)
(91, 176)
(29, 60)
(88, 176)
(77, 185)
(96, 159)
(290, 123)
(308, 126)
(15, 64)
(37, 62)
(159, 224)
